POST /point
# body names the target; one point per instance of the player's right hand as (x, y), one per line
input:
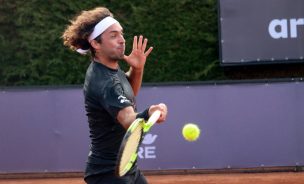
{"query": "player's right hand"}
(162, 108)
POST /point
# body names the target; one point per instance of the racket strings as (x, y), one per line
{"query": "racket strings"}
(131, 147)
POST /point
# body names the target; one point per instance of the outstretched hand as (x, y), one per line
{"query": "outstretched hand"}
(138, 56)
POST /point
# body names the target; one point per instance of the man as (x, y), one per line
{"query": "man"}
(109, 92)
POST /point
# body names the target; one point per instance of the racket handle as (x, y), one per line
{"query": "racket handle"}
(153, 118)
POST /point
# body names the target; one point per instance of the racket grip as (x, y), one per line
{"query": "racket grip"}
(153, 118)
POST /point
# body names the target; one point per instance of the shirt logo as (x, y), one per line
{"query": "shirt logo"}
(123, 99)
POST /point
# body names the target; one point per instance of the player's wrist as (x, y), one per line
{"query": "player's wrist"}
(144, 114)
(137, 69)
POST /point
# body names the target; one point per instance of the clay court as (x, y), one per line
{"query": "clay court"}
(235, 178)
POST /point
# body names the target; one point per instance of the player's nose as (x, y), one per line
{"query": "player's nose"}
(122, 39)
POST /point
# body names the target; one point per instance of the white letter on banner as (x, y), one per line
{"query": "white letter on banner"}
(293, 27)
(150, 152)
(140, 152)
(283, 33)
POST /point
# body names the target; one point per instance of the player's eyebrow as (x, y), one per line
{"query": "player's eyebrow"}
(117, 31)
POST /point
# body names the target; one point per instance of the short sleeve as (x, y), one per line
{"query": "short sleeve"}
(114, 99)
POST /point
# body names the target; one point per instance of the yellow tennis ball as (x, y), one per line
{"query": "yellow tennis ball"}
(191, 132)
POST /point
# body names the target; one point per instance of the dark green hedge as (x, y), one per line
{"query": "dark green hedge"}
(183, 33)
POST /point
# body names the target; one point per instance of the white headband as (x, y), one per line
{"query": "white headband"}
(98, 30)
(101, 27)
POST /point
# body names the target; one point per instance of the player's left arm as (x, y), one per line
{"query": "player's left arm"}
(137, 60)
(135, 78)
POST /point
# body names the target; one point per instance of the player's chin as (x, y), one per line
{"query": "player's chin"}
(118, 57)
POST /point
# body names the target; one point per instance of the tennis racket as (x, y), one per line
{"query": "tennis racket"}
(129, 147)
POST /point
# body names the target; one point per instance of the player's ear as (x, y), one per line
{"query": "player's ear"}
(95, 44)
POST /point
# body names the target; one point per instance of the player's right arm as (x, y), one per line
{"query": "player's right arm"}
(127, 115)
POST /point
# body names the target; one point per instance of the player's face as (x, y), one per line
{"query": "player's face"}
(113, 42)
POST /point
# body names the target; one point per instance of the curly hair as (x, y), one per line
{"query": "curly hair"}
(76, 34)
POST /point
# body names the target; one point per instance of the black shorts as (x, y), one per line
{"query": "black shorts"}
(135, 177)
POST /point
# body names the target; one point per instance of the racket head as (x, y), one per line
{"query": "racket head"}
(128, 149)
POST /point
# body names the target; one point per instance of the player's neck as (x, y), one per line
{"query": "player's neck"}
(113, 64)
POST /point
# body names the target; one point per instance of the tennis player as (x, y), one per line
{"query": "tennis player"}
(109, 92)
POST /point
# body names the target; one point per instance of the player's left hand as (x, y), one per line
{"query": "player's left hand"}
(139, 54)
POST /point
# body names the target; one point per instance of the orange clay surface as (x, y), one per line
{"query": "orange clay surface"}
(252, 178)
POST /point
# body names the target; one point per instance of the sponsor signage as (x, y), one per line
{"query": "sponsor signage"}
(261, 31)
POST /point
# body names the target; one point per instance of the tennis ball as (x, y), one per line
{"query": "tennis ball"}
(191, 132)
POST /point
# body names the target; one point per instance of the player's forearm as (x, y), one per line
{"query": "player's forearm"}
(126, 116)
(135, 79)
